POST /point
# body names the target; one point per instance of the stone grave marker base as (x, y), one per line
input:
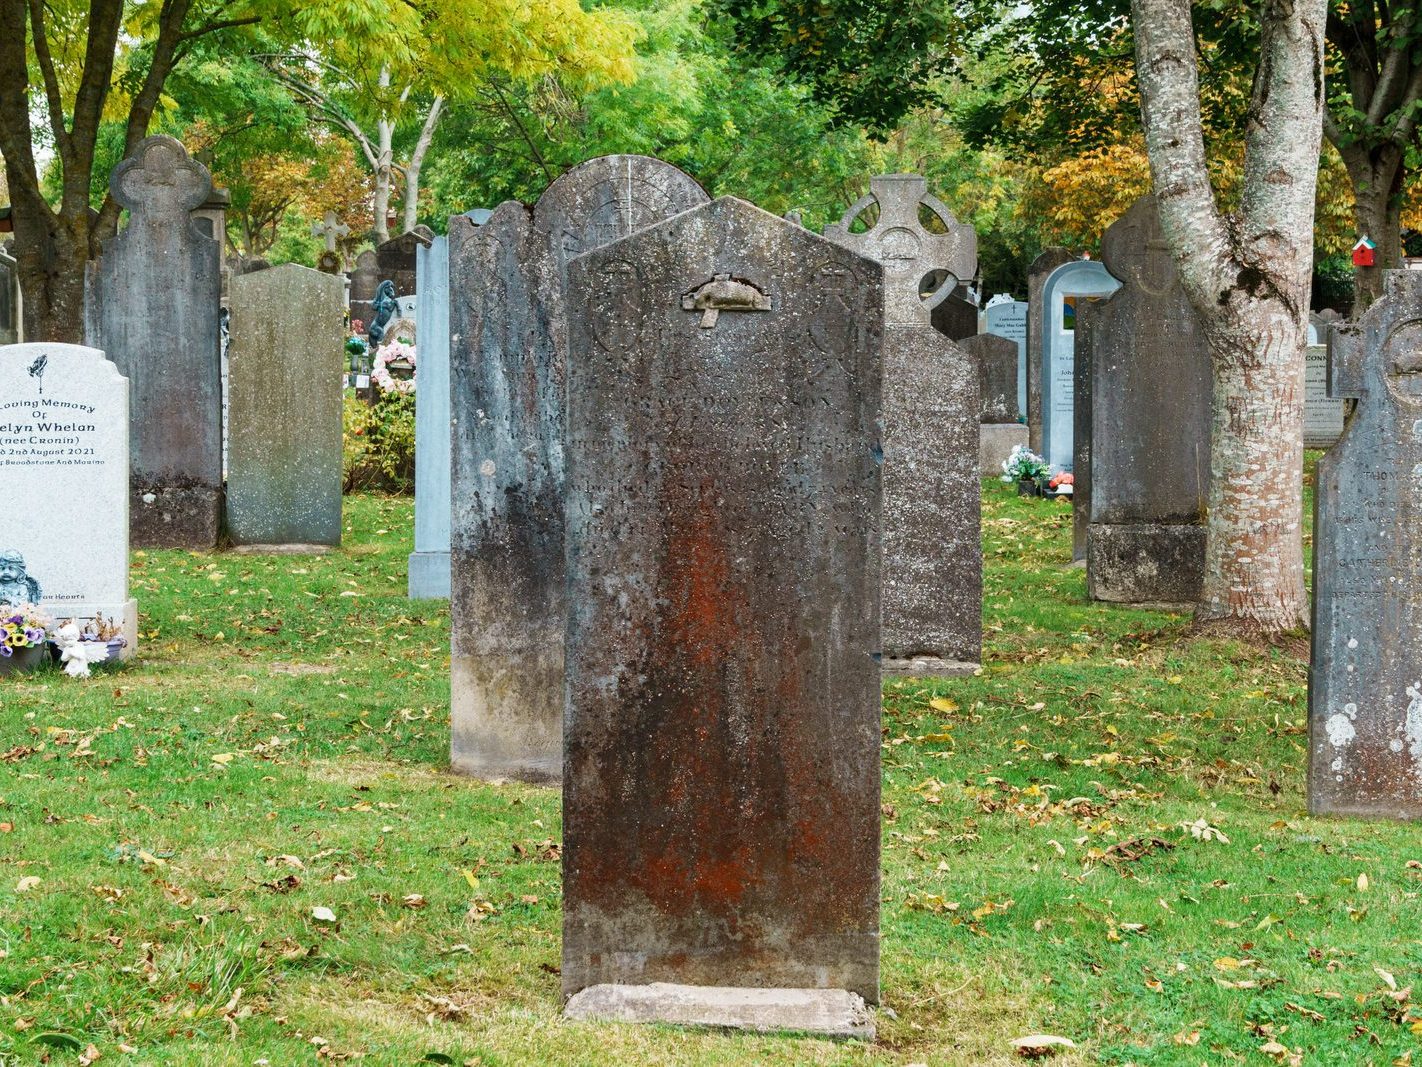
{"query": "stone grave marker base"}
(996, 440)
(429, 575)
(281, 550)
(927, 667)
(171, 516)
(834, 1013)
(1145, 563)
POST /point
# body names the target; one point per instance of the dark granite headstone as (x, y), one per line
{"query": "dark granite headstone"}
(284, 465)
(508, 346)
(998, 360)
(1143, 424)
(1037, 274)
(395, 261)
(721, 799)
(1365, 682)
(153, 305)
(956, 317)
(932, 495)
(365, 280)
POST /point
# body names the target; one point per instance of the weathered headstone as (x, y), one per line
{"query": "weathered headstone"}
(721, 802)
(64, 470)
(284, 469)
(9, 306)
(1365, 681)
(1008, 318)
(1323, 416)
(153, 306)
(933, 576)
(1037, 274)
(395, 260)
(330, 229)
(429, 563)
(1143, 419)
(365, 280)
(956, 317)
(1000, 431)
(508, 354)
(1065, 292)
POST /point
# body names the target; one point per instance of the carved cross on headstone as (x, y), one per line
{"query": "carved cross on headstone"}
(1136, 251)
(331, 229)
(907, 250)
(159, 180)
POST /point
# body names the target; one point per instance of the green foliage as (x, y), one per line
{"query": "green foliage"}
(379, 442)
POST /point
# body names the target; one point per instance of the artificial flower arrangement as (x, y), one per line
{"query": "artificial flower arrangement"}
(26, 631)
(1062, 483)
(397, 351)
(1024, 465)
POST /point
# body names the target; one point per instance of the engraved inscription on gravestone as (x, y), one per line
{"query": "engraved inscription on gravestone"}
(1365, 680)
(508, 355)
(152, 305)
(64, 432)
(721, 800)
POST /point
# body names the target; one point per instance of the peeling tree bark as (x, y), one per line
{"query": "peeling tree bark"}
(1247, 275)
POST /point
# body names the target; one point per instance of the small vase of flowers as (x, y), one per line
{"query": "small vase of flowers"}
(1027, 469)
(24, 638)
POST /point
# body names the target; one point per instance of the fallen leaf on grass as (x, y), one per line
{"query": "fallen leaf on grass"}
(1036, 1046)
(25, 884)
(323, 914)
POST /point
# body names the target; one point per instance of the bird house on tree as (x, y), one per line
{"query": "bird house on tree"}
(1365, 252)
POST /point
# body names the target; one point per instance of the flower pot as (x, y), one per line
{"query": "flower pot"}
(24, 660)
(1028, 487)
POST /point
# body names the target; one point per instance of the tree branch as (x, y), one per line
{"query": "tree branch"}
(51, 81)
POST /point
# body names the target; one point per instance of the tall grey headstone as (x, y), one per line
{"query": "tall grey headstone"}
(64, 471)
(1066, 291)
(429, 563)
(508, 356)
(1000, 431)
(153, 305)
(721, 799)
(1144, 420)
(932, 598)
(284, 476)
(365, 279)
(1365, 680)
(1037, 274)
(1009, 319)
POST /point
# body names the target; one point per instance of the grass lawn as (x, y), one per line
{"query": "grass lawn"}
(1102, 836)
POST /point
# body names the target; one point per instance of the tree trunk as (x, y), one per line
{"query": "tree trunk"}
(1247, 277)
(417, 162)
(51, 255)
(1377, 179)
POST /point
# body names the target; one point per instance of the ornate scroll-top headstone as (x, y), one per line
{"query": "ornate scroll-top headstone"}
(721, 798)
(153, 305)
(1143, 424)
(284, 467)
(64, 432)
(1365, 681)
(932, 597)
(508, 356)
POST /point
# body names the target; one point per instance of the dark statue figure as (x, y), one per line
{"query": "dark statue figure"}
(16, 586)
(386, 308)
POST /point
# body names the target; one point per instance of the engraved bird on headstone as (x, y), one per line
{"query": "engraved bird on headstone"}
(37, 371)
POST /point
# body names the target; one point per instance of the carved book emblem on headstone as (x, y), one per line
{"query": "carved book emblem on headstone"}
(724, 293)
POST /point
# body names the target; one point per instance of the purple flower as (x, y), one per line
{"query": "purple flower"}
(6, 651)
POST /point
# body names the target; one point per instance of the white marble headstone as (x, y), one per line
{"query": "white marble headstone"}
(64, 475)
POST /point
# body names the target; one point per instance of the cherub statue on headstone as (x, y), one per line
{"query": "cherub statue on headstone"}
(386, 308)
(16, 586)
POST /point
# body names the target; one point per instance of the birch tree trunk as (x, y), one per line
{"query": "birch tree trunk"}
(1247, 276)
(417, 162)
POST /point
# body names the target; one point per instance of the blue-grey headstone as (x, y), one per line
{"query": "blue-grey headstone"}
(429, 563)
(1037, 274)
(1365, 680)
(1009, 319)
(1066, 290)
(152, 304)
